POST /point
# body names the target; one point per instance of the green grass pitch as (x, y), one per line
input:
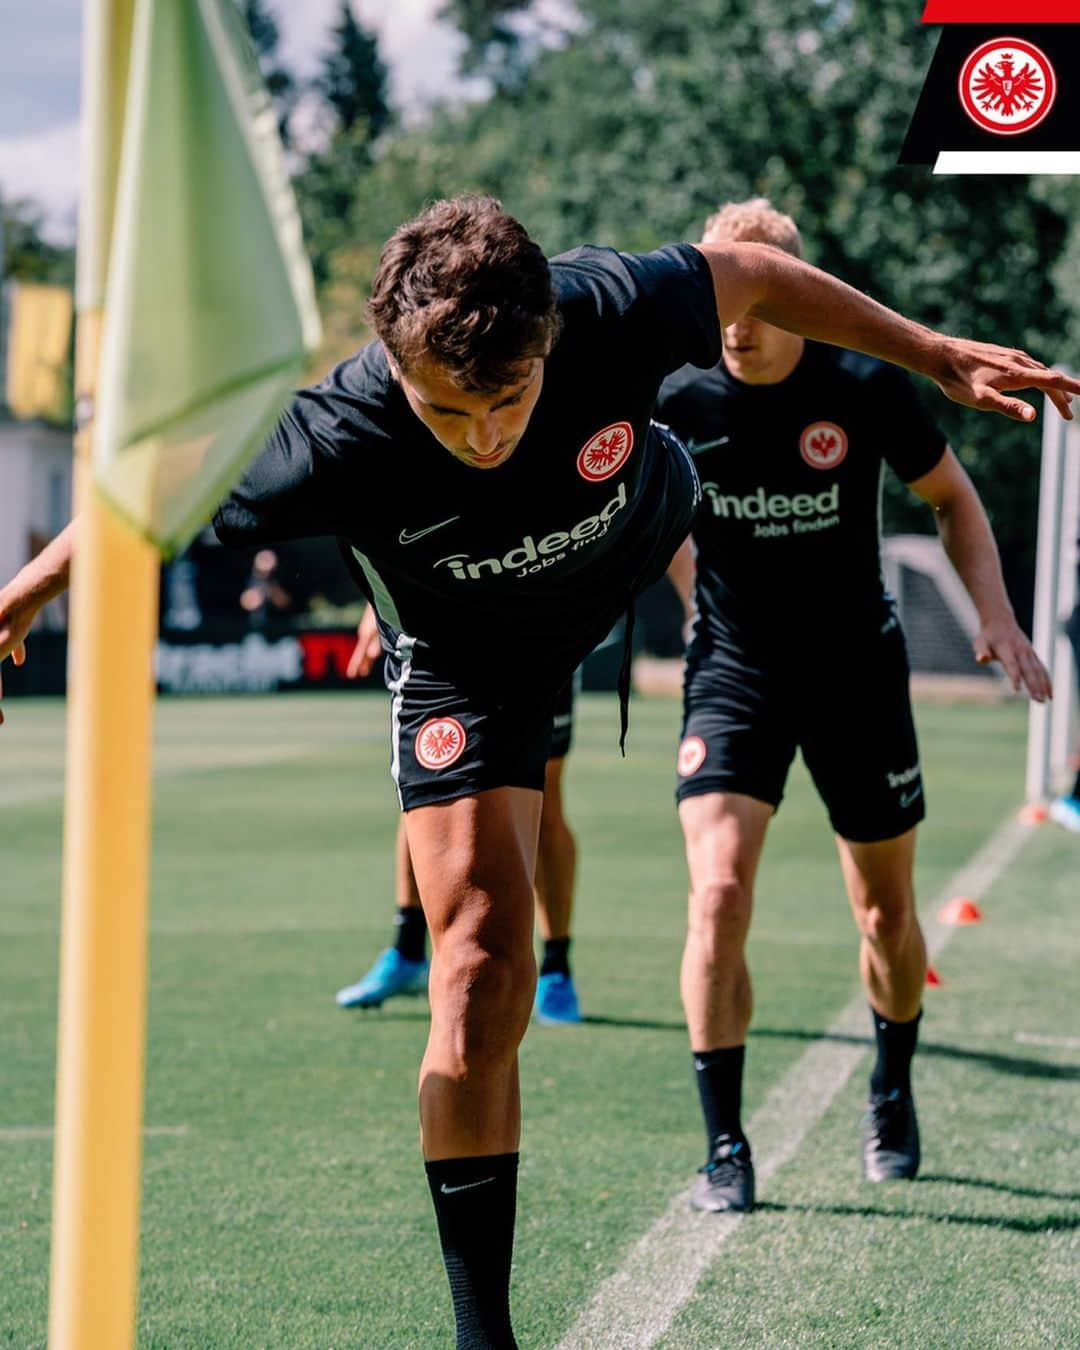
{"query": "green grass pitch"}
(284, 1201)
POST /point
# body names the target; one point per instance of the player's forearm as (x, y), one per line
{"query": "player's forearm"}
(44, 577)
(969, 542)
(772, 285)
(681, 575)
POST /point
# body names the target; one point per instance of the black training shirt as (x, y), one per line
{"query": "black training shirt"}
(788, 530)
(498, 574)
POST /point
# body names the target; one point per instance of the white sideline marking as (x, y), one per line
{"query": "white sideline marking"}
(636, 1305)
(12, 1132)
(15, 794)
(1057, 1042)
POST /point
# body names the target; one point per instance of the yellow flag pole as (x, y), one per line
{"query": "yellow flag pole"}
(107, 820)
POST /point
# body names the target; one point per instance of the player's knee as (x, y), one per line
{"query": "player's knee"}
(720, 913)
(887, 921)
(488, 992)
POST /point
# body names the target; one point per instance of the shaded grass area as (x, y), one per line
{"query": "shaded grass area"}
(290, 1208)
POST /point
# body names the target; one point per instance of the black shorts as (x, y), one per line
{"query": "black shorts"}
(562, 724)
(847, 707)
(445, 743)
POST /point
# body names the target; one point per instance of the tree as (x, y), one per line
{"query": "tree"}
(266, 37)
(493, 45)
(28, 255)
(353, 80)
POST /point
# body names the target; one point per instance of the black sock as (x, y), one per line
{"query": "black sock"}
(1076, 788)
(719, 1082)
(475, 1201)
(556, 959)
(895, 1048)
(411, 935)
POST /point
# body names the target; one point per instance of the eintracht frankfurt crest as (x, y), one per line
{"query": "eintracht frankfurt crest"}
(606, 452)
(691, 756)
(823, 445)
(440, 742)
(1007, 86)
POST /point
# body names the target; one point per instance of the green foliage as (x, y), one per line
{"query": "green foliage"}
(353, 80)
(266, 37)
(28, 256)
(493, 45)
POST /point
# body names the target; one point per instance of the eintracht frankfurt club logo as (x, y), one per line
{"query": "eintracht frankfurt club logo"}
(606, 452)
(691, 756)
(440, 742)
(823, 445)
(1007, 86)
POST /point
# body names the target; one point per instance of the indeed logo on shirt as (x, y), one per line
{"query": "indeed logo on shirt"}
(533, 556)
(807, 512)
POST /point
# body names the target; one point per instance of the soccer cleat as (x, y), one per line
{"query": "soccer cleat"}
(1066, 811)
(890, 1138)
(726, 1182)
(556, 1000)
(389, 977)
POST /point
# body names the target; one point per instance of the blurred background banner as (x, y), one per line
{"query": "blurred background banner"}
(39, 351)
(210, 309)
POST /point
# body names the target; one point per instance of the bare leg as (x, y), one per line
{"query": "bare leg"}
(724, 832)
(556, 859)
(474, 860)
(892, 958)
(406, 894)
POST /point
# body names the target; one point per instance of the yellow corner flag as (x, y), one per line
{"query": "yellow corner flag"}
(193, 288)
(209, 306)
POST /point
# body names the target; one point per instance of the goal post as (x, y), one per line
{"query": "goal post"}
(1052, 725)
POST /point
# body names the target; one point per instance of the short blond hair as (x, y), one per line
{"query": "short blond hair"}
(755, 221)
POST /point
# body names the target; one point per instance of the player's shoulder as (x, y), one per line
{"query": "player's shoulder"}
(353, 404)
(606, 282)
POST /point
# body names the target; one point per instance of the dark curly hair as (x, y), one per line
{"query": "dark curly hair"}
(464, 286)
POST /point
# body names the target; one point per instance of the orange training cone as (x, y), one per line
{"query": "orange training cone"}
(961, 909)
(933, 979)
(1034, 813)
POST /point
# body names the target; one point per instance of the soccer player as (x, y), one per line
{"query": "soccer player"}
(490, 466)
(402, 969)
(796, 645)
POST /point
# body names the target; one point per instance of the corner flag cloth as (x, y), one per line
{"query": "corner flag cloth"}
(209, 304)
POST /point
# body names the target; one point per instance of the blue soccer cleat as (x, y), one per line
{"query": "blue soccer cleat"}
(556, 1000)
(389, 977)
(1066, 811)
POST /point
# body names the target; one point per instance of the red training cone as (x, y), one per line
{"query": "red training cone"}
(1034, 813)
(960, 909)
(933, 979)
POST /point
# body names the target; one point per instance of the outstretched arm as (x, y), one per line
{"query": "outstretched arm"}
(770, 284)
(969, 542)
(41, 580)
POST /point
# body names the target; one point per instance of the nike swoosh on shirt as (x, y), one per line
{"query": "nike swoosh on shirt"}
(468, 1186)
(406, 538)
(699, 447)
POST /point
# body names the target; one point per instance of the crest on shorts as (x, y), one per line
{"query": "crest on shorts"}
(606, 452)
(440, 742)
(691, 756)
(823, 445)
(1007, 86)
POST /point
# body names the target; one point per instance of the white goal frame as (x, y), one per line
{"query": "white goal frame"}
(1052, 726)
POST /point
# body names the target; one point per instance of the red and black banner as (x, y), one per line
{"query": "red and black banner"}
(1005, 78)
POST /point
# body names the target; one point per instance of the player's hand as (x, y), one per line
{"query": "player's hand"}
(980, 375)
(368, 648)
(1005, 641)
(14, 626)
